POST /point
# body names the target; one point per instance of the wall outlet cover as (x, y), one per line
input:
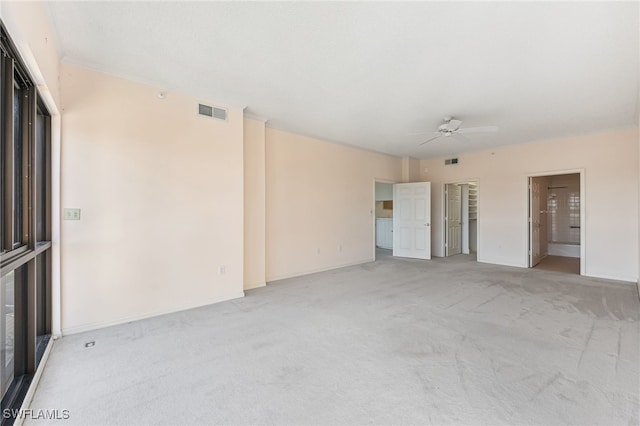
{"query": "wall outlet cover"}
(71, 214)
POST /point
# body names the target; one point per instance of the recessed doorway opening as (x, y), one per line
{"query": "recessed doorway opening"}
(556, 216)
(461, 218)
(402, 224)
(383, 218)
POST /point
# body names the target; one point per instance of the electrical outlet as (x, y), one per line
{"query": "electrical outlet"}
(222, 269)
(71, 214)
(318, 251)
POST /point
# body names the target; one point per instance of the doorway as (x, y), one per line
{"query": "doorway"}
(402, 219)
(556, 216)
(383, 219)
(461, 218)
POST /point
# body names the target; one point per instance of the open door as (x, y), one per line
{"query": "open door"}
(412, 220)
(465, 219)
(537, 219)
(453, 219)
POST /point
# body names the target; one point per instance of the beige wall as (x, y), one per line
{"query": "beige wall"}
(161, 193)
(410, 169)
(610, 163)
(320, 196)
(254, 204)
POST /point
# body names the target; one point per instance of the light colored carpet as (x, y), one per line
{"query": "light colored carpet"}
(447, 341)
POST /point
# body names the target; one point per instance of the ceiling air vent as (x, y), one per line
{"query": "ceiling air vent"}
(450, 161)
(212, 112)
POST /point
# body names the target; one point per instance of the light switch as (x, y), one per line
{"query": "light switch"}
(71, 214)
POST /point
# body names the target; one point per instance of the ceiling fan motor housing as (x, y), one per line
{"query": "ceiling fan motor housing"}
(450, 126)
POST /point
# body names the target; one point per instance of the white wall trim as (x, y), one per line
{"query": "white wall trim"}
(56, 172)
(256, 285)
(566, 250)
(103, 324)
(314, 271)
(511, 265)
(622, 279)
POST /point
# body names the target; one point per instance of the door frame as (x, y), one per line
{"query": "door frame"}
(464, 216)
(583, 216)
(444, 213)
(447, 246)
(372, 212)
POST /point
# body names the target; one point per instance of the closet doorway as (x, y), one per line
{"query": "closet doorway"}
(461, 218)
(556, 222)
(383, 213)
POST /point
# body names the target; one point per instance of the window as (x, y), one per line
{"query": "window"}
(25, 226)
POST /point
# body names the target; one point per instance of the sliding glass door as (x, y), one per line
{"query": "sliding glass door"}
(25, 226)
(7, 336)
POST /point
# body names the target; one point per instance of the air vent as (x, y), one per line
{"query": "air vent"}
(212, 112)
(450, 161)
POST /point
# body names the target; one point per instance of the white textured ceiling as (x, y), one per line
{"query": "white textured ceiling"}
(368, 73)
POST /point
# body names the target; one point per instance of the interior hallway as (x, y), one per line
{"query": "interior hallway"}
(393, 341)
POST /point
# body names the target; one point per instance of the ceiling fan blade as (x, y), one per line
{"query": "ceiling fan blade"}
(429, 140)
(485, 129)
(418, 133)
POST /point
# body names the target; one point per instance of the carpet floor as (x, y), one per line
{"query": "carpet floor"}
(396, 341)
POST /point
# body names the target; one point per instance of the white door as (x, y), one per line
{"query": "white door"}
(535, 202)
(453, 219)
(465, 218)
(412, 220)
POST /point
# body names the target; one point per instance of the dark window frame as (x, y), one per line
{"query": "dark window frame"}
(25, 217)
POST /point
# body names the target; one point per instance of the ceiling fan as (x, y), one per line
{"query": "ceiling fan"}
(451, 127)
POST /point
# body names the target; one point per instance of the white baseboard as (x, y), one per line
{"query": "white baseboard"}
(513, 265)
(624, 279)
(313, 271)
(255, 285)
(566, 250)
(102, 324)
